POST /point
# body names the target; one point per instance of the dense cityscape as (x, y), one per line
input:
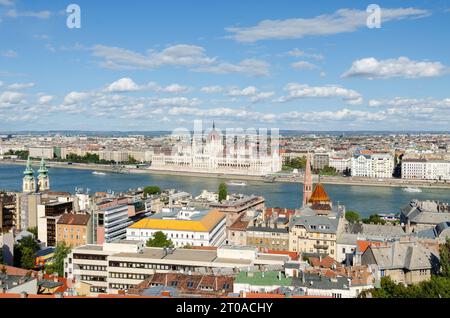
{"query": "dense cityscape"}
(224, 156)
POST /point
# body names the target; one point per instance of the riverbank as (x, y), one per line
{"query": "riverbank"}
(357, 181)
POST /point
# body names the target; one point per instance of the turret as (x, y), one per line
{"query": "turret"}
(29, 183)
(43, 179)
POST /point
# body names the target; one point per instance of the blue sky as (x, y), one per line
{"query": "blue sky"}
(158, 65)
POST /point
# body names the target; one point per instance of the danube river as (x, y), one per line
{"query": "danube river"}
(364, 199)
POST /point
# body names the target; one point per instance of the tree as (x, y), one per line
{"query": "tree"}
(28, 258)
(29, 242)
(444, 253)
(33, 230)
(223, 192)
(375, 219)
(26, 243)
(132, 160)
(352, 216)
(328, 171)
(159, 239)
(151, 190)
(61, 252)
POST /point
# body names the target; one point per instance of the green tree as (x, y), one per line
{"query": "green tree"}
(33, 230)
(375, 219)
(61, 252)
(28, 258)
(328, 171)
(152, 190)
(444, 253)
(159, 239)
(223, 192)
(352, 216)
(29, 242)
(132, 160)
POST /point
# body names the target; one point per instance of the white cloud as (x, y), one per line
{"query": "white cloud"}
(372, 68)
(248, 91)
(174, 101)
(9, 53)
(33, 14)
(343, 20)
(45, 99)
(6, 2)
(19, 86)
(404, 102)
(296, 90)
(178, 55)
(303, 65)
(191, 56)
(75, 98)
(122, 85)
(1, 83)
(299, 53)
(11, 98)
(211, 89)
(251, 67)
(262, 96)
(175, 89)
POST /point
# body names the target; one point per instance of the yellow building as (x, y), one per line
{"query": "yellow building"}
(73, 229)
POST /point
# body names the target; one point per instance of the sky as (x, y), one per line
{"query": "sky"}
(160, 65)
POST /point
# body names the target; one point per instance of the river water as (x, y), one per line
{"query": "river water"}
(364, 199)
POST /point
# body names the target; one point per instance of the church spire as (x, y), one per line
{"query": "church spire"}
(43, 179)
(214, 125)
(307, 182)
(28, 184)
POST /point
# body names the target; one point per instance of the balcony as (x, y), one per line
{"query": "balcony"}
(320, 246)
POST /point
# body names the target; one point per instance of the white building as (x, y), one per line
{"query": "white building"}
(184, 227)
(373, 165)
(212, 156)
(108, 268)
(426, 169)
(340, 164)
(116, 221)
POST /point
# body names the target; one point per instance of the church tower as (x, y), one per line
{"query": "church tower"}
(29, 184)
(43, 179)
(307, 182)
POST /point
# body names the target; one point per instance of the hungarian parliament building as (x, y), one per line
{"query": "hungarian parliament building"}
(212, 156)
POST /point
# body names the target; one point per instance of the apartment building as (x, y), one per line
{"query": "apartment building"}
(340, 164)
(320, 160)
(404, 262)
(374, 165)
(122, 265)
(74, 229)
(425, 169)
(48, 215)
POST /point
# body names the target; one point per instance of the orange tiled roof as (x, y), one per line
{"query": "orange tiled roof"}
(319, 194)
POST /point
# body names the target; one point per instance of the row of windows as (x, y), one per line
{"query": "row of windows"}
(93, 278)
(138, 265)
(92, 268)
(95, 289)
(128, 276)
(89, 257)
(120, 286)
